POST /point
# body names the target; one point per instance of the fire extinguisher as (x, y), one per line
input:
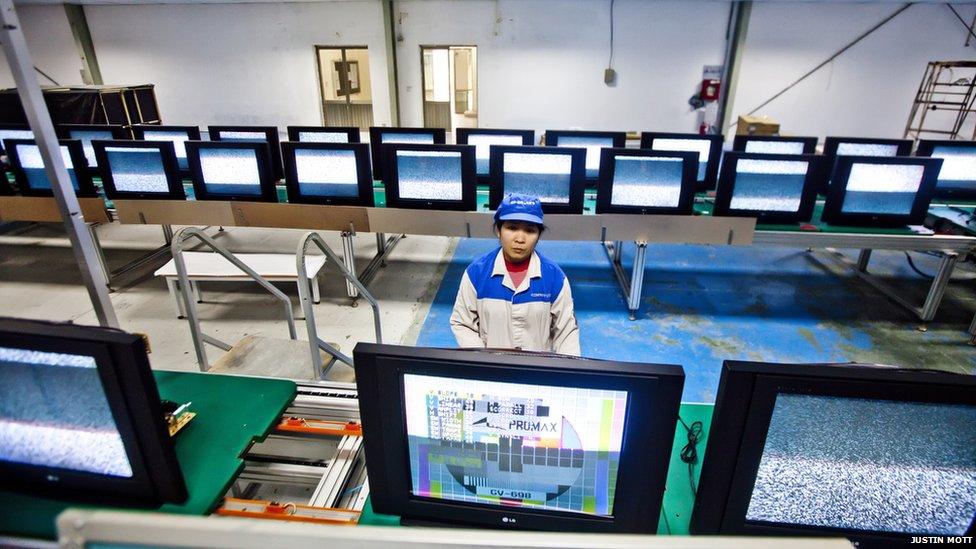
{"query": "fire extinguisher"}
(710, 89)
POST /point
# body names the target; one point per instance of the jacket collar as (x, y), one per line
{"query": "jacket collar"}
(534, 271)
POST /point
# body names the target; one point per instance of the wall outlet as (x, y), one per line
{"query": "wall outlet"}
(609, 76)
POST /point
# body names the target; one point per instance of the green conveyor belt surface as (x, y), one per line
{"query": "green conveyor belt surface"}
(678, 497)
(231, 412)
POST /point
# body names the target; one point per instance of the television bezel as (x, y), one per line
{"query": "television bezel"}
(461, 138)
(686, 196)
(171, 169)
(365, 178)
(833, 214)
(714, 153)
(271, 139)
(830, 153)
(469, 180)
(809, 142)
(740, 422)
(619, 142)
(654, 394)
(808, 195)
(926, 148)
(378, 156)
(352, 133)
(86, 187)
(577, 176)
(133, 398)
(267, 184)
(15, 127)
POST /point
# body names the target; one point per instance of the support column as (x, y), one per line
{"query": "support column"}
(90, 72)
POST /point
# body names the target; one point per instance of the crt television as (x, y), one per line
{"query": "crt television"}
(877, 454)
(80, 417)
(327, 173)
(957, 177)
(140, 169)
(516, 440)
(708, 147)
(440, 177)
(484, 138)
(229, 170)
(642, 181)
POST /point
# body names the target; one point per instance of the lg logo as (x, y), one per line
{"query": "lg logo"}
(508, 520)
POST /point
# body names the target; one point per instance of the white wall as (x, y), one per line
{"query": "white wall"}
(868, 90)
(236, 63)
(542, 66)
(51, 46)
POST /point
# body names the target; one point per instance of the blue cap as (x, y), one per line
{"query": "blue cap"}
(520, 207)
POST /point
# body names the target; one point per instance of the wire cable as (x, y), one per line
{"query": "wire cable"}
(610, 62)
(689, 453)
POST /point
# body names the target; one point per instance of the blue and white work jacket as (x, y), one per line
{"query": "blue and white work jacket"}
(536, 316)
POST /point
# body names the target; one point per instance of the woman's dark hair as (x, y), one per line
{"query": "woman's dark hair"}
(498, 225)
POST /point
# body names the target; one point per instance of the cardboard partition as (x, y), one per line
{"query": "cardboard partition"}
(558, 226)
(300, 216)
(680, 229)
(175, 212)
(422, 222)
(44, 209)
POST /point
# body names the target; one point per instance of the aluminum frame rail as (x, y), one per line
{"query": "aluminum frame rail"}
(384, 246)
(189, 302)
(305, 293)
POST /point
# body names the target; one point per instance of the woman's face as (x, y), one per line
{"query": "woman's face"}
(518, 240)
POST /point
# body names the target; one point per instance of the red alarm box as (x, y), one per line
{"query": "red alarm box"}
(709, 89)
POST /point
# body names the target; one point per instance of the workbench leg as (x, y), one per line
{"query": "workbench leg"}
(168, 234)
(177, 303)
(381, 247)
(349, 260)
(938, 287)
(102, 262)
(197, 294)
(863, 259)
(636, 280)
(618, 246)
(316, 295)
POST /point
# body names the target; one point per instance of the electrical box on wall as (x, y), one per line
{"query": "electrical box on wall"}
(609, 76)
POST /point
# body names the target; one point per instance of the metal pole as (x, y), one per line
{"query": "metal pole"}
(636, 280)
(15, 48)
(349, 261)
(863, 259)
(735, 37)
(938, 288)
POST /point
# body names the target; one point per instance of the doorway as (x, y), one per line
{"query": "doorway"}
(450, 76)
(344, 84)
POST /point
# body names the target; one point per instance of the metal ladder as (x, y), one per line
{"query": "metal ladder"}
(305, 293)
(189, 302)
(948, 86)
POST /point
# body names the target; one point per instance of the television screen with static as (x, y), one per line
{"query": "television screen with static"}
(230, 171)
(327, 172)
(429, 175)
(547, 176)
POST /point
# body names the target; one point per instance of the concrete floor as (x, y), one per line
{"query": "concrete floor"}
(39, 279)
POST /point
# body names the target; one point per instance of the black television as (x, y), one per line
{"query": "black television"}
(177, 135)
(957, 177)
(323, 134)
(438, 177)
(252, 134)
(327, 173)
(14, 131)
(516, 440)
(774, 144)
(484, 138)
(773, 188)
(877, 454)
(880, 191)
(80, 417)
(858, 146)
(140, 169)
(378, 136)
(231, 170)
(593, 142)
(555, 175)
(643, 181)
(26, 163)
(708, 147)
(87, 133)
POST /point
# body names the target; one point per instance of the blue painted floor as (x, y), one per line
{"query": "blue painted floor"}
(705, 304)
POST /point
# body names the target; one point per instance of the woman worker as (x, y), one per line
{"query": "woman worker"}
(513, 297)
